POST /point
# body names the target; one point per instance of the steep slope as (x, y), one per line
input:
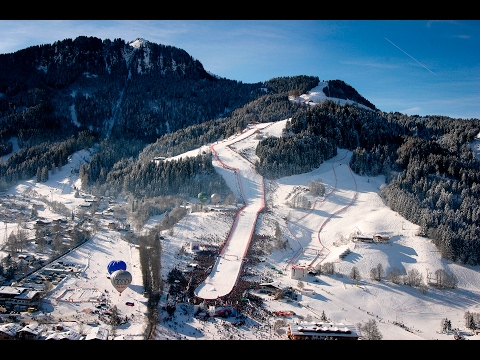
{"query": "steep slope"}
(135, 89)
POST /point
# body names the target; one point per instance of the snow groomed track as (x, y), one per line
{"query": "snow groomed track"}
(227, 268)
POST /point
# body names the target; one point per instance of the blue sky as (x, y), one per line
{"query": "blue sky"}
(411, 66)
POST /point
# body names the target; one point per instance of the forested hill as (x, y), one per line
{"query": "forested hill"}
(130, 102)
(138, 90)
(433, 176)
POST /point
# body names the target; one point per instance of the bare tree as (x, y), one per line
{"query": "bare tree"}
(294, 93)
(377, 273)
(278, 231)
(316, 187)
(414, 278)
(230, 200)
(22, 238)
(12, 244)
(445, 280)
(48, 286)
(370, 330)
(41, 243)
(327, 268)
(395, 275)
(423, 287)
(57, 244)
(355, 274)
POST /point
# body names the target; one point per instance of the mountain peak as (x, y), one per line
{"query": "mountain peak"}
(138, 43)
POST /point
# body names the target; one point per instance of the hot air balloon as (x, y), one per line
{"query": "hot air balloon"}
(115, 265)
(215, 198)
(203, 197)
(121, 279)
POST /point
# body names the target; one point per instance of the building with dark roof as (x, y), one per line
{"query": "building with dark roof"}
(12, 297)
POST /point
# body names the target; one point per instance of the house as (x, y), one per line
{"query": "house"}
(276, 286)
(16, 297)
(366, 239)
(158, 159)
(30, 332)
(9, 331)
(321, 331)
(298, 272)
(272, 287)
(59, 221)
(97, 333)
(41, 224)
(65, 335)
(380, 238)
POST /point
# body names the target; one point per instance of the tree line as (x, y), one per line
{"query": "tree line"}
(432, 174)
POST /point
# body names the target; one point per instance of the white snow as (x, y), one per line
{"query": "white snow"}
(317, 96)
(351, 206)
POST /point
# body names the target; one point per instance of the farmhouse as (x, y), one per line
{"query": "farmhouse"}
(65, 335)
(41, 224)
(380, 237)
(321, 331)
(13, 297)
(9, 331)
(30, 332)
(97, 333)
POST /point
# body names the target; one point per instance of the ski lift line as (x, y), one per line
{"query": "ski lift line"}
(333, 189)
(338, 211)
(328, 219)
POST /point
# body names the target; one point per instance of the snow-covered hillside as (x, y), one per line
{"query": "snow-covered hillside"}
(316, 235)
(317, 96)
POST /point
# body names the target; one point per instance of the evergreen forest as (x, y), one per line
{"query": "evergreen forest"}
(128, 106)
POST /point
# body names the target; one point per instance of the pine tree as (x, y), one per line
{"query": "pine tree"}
(38, 176)
(44, 174)
(470, 321)
(446, 325)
